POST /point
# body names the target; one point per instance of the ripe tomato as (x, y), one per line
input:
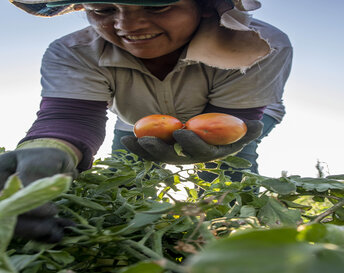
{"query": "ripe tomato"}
(217, 128)
(161, 126)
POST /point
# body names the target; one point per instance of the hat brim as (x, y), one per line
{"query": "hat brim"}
(50, 8)
(122, 2)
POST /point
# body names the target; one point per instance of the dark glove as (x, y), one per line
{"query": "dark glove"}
(41, 225)
(31, 164)
(195, 149)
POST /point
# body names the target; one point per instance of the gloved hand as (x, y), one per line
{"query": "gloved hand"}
(31, 164)
(195, 149)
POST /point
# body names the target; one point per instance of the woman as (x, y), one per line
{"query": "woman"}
(142, 57)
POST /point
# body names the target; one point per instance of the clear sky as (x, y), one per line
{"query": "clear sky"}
(312, 130)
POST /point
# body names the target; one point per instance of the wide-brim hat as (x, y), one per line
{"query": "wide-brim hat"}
(49, 8)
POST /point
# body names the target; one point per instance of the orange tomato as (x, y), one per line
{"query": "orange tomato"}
(161, 126)
(217, 128)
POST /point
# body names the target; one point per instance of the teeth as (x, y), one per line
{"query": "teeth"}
(141, 37)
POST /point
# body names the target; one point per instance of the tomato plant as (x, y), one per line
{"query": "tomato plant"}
(129, 220)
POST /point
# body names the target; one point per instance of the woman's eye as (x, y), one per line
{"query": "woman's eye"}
(103, 12)
(157, 9)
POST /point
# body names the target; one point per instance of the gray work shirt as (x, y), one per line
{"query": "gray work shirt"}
(82, 65)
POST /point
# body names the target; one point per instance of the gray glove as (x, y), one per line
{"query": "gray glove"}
(195, 149)
(31, 164)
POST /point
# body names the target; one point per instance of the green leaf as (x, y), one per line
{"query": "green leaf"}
(6, 232)
(91, 177)
(275, 214)
(339, 213)
(144, 267)
(327, 260)
(61, 257)
(13, 184)
(22, 261)
(147, 165)
(163, 173)
(178, 149)
(266, 251)
(192, 193)
(6, 265)
(311, 233)
(337, 177)
(294, 205)
(83, 202)
(34, 195)
(143, 219)
(157, 207)
(323, 233)
(182, 226)
(318, 184)
(247, 211)
(237, 162)
(259, 202)
(35, 267)
(116, 181)
(318, 198)
(281, 186)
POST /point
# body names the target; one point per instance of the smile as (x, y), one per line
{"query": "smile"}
(141, 37)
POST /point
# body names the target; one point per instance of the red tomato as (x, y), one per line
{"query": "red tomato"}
(217, 128)
(161, 126)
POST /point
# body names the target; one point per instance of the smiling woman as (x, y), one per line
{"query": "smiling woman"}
(138, 60)
(144, 59)
(274, 157)
(147, 32)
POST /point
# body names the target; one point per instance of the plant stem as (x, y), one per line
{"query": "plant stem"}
(157, 242)
(175, 173)
(145, 250)
(173, 199)
(263, 193)
(58, 267)
(317, 195)
(222, 197)
(328, 212)
(157, 236)
(147, 235)
(153, 255)
(201, 220)
(134, 252)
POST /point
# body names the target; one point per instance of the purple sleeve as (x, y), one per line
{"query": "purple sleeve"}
(80, 122)
(244, 114)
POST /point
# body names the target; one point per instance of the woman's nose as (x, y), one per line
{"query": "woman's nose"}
(130, 20)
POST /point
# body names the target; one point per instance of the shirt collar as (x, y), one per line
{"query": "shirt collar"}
(114, 56)
(228, 42)
(117, 57)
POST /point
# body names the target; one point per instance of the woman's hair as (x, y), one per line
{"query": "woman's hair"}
(208, 5)
(204, 4)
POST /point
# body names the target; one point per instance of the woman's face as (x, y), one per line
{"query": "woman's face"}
(144, 31)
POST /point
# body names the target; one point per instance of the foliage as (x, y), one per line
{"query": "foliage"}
(15, 200)
(128, 220)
